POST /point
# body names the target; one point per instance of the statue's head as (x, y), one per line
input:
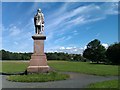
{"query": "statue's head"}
(39, 10)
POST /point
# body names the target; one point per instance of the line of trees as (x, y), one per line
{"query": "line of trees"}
(65, 56)
(6, 55)
(96, 52)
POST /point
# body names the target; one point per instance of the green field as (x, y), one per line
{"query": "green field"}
(105, 84)
(13, 66)
(65, 66)
(85, 67)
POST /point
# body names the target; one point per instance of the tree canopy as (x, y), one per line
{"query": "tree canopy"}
(113, 53)
(95, 51)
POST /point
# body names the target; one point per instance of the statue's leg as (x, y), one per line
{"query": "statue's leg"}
(40, 28)
(36, 30)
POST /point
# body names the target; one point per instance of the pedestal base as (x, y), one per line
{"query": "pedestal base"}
(38, 69)
(38, 64)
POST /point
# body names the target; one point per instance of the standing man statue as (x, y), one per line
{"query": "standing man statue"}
(38, 61)
(39, 22)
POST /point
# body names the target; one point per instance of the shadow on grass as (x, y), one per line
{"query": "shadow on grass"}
(102, 63)
(97, 63)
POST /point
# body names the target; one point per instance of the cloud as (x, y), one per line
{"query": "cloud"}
(105, 45)
(59, 23)
(79, 15)
(14, 31)
(33, 8)
(62, 48)
(69, 16)
(15, 35)
(70, 50)
(85, 47)
(62, 39)
(75, 32)
(110, 8)
(98, 34)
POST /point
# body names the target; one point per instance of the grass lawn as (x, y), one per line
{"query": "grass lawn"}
(65, 66)
(105, 84)
(43, 77)
(85, 67)
(13, 66)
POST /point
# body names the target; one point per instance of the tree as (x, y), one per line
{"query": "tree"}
(95, 51)
(113, 53)
(5, 55)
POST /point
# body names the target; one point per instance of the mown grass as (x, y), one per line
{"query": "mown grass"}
(85, 67)
(105, 84)
(13, 66)
(41, 77)
(66, 66)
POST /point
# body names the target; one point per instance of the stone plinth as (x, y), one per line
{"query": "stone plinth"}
(38, 62)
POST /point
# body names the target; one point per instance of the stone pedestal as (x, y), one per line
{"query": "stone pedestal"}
(38, 62)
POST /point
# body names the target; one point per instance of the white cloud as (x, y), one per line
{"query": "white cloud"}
(105, 45)
(110, 8)
(98, 34)
(68, 16)
(68, 38)
(61, 48)
(14, 35)
(70, 50)
(69, 47)
(62, 39)
(85, 47)
(77, 20)
(14, 31)
(16, 43)
(80, 15)
(75, 32)
(64, 18)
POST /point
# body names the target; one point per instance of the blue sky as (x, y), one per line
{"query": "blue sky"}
(69, 26)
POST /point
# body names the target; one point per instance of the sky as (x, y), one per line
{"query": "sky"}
(69, 26)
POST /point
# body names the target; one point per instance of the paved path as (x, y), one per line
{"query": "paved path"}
(76, 80)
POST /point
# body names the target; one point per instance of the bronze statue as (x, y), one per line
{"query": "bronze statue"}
(39, 22)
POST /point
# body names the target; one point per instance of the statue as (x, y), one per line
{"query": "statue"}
(38, 61)
(39, 22)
